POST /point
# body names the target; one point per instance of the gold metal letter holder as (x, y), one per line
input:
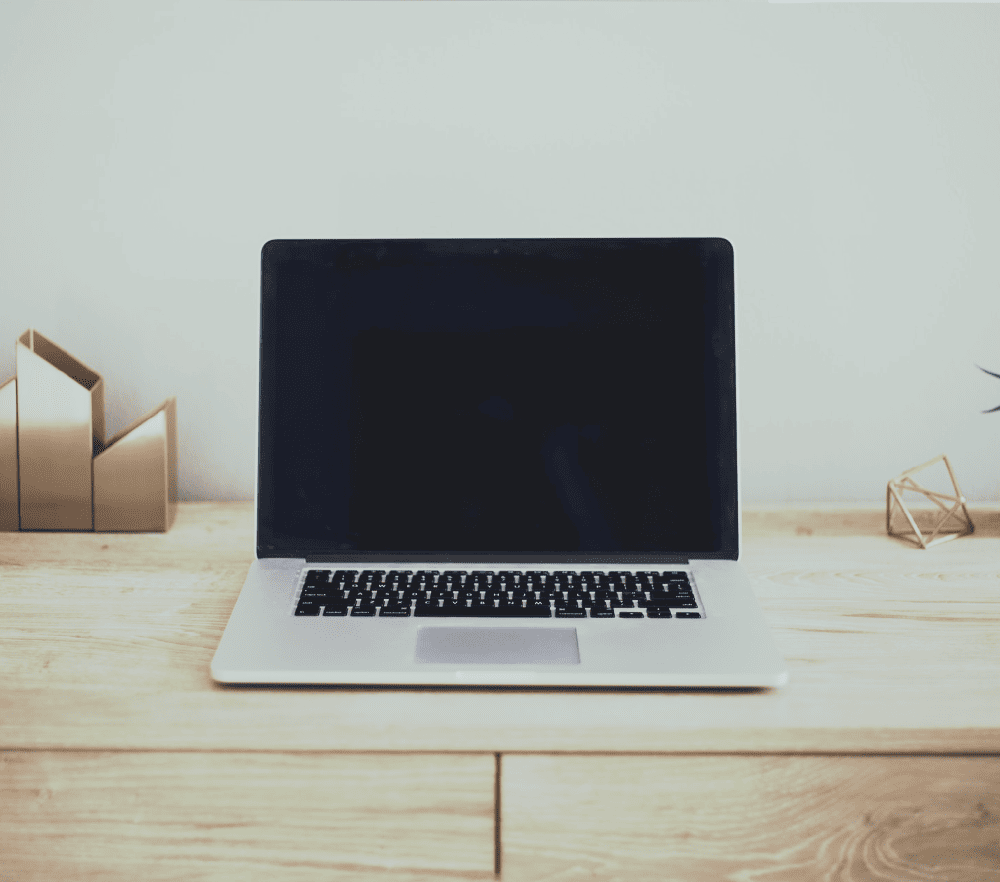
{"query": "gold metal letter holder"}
(10, 516)
(60, 425)
(135, 475)
(57, 472)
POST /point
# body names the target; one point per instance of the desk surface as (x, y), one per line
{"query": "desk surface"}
(107, 640)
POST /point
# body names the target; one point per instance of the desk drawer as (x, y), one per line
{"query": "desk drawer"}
(249, 816)
(713, 818)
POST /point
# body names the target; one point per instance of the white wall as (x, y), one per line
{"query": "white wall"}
(850, 152)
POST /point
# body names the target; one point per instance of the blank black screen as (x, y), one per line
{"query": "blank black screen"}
(510, 398)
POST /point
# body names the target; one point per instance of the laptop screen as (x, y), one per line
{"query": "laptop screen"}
(509, 400)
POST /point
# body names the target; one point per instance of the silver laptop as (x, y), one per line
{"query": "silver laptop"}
(498, 462)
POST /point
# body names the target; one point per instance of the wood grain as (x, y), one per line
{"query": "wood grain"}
(141, 611)
(195, 816)
(793, 819)
(125, 761)
(107, 641)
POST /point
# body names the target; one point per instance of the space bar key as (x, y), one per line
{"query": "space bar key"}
(485, 612)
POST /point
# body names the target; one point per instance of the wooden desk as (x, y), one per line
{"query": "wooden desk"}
(122, 760)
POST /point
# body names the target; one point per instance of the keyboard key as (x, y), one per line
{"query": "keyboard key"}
(307, 609)
(667, 596)
(672, 604)
(499, 612)
(599, 612)
(527, 612)
(398, 611)
(626, 614)
(658, 612)
(339, 609)
(562, 613)
(363, 611)
(688, 615)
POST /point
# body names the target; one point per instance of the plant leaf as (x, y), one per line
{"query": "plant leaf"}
(995, 409)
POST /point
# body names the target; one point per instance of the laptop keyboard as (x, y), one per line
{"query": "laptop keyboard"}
(513, 594)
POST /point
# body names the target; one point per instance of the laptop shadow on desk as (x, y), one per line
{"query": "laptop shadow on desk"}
(502, 689)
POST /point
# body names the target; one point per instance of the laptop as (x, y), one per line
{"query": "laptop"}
(498, 462)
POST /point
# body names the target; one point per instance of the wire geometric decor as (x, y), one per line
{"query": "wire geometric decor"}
(948, 520)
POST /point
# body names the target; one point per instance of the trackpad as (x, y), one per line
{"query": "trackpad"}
(498, 646)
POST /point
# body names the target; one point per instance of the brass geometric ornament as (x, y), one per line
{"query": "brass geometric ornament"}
(946, 518)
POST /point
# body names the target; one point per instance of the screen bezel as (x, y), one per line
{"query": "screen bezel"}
(720, 372)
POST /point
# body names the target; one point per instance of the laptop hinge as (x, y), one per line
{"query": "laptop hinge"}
(618, 563)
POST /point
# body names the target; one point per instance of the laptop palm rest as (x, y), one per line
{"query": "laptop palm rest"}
(497, 646)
